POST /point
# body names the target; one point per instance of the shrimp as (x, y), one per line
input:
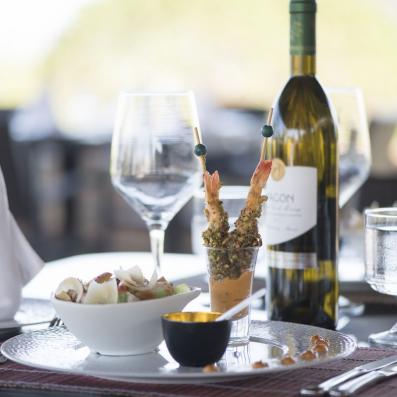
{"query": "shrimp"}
(246, 227)
(216, 235)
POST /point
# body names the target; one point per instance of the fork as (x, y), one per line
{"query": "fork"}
(55, 322)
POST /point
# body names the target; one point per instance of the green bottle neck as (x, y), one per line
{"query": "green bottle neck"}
(303, 37)
(303, 65)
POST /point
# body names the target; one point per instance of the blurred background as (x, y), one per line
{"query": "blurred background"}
(64, 62)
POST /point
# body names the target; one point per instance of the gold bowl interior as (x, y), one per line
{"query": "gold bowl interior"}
(192, 317)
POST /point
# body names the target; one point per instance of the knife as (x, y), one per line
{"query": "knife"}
(323, 388)
(349, 388)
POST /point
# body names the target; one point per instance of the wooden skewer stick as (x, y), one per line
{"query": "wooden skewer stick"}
(270, 117)
(197, 140)
(264, 142)
(263, 149)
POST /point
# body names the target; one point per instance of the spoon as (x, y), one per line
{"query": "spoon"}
(242, 305)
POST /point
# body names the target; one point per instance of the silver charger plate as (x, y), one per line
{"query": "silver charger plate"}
(58, 350)
(31, 312)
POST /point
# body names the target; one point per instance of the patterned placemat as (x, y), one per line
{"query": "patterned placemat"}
(15, 376)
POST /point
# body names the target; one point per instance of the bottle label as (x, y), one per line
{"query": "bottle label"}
(291, 260)
(291, 209)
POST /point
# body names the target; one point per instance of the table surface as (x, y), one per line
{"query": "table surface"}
(190, 268)
(174, 267)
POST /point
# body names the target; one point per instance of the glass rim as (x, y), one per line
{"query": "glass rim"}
(256, 247)
(383, 212)
(227, 192)
(131, 93)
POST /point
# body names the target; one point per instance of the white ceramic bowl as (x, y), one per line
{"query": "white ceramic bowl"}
(123, 328)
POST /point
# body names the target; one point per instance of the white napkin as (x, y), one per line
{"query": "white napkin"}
(18, 261)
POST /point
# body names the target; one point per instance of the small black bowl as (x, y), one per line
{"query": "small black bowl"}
(195, 339)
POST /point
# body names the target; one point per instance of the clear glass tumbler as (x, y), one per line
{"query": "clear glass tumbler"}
(381, 260)
(233, 199)
(231, 273)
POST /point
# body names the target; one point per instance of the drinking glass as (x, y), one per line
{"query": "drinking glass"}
(233, 199)
(231, 273)
(381, 260)
(152, 161)
(353, 140)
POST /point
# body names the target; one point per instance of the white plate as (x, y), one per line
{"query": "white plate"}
(31, 312)
(57, 349)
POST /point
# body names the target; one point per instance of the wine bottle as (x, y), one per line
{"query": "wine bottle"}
(301, 214)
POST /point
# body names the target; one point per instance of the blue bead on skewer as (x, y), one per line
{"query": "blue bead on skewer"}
(200, 150)
(267, 131)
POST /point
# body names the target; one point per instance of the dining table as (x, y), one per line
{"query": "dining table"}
(362, 313)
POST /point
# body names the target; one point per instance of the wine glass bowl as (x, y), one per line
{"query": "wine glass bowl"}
(152, 161)
(353, 140)
(381, 260)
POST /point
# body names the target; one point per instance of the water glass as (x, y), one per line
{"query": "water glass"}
(381, 260)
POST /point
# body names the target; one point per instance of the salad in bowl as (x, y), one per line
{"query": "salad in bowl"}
(119, 313)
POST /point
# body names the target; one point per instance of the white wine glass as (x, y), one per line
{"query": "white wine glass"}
(353, 140)
(152, 163)
(354, 166)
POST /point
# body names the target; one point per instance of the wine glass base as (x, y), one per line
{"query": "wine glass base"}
(386, 338)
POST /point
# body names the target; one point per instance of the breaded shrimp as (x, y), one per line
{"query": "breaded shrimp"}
(216, 235)
(246, 232)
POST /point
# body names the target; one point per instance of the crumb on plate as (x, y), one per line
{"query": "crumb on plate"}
(308, 355)
(321, 348)
(317, 339)
(210, 368)
(259, 364)
(287, 360)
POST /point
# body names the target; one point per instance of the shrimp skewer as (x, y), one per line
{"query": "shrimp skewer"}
(216, 235)
(246, 232)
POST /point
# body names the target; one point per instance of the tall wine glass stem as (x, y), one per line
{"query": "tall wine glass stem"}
(157, 245)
